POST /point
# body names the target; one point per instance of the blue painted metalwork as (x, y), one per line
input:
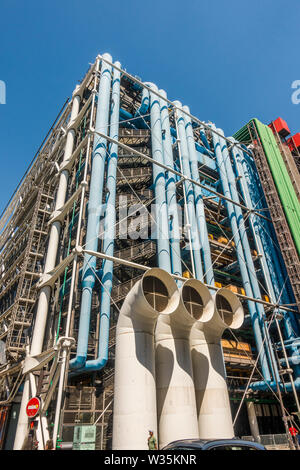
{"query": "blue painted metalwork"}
(95, 209)
(201, 219)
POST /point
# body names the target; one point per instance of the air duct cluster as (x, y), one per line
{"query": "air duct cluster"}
(169, 368)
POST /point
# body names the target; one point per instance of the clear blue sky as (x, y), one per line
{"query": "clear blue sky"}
(228, 60)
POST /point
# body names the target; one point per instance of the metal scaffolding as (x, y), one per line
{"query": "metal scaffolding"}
(33, 214)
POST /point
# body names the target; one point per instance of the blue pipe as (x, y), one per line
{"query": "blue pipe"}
(261, 248)
(134, 123)
(143, 109)
(269, 259)
(262, 227)
(264, 387)
(247, 252)
(203, 138)
(94, 214)
(170, 189)
(294, 360)
(199, 148)
(285, 294)
(266, 249)
(161, 210)
(126, 116)
(290, 343)
(272, 262)
(109, 231)
(241, 258)
(201, 219)
(190, 197)
(203, 150)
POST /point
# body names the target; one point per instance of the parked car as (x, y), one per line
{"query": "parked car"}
(213, 444)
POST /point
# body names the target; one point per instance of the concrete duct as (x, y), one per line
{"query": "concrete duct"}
(213, 406)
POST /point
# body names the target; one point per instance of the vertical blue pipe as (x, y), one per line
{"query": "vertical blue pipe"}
(190, 199)
(267, 249)
(201, 219)
(109, 230)
(273, 261)
(170, 189)
(161, 211)
(94, 213)
(203, 137)
(144, 104)
(272, 286)
(241, 258)
(247, 252)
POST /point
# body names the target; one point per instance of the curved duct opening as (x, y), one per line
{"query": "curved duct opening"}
(229, 308)
(160, 290)
(197, 300)
(192, 301)
(156, 293)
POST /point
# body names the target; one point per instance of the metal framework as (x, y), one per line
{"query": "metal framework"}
(26, 225)
(284, 237)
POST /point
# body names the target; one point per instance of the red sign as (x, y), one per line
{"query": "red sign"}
(33, 407)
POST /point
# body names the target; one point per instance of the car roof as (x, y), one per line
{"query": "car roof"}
(203, 442)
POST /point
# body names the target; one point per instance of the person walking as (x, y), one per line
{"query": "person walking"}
(49, 445)
(152, 444)
(295, 435)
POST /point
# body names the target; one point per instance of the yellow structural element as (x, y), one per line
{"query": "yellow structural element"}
(236, 345)
(187, 274)
(236, 289)
(236, 350)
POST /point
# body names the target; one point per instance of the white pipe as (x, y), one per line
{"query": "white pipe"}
(22, 427)
(135, 389)
(44, 295)
(176, 401)
(64, 359)
(213, 406)
(253, 420)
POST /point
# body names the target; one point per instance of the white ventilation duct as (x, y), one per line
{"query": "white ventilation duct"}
(176, 401)
(213, 406)
(135, 387)
(175, 387)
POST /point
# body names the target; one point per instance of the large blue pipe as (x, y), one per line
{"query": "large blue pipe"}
(274, 260)
(109, 230)
(269, 259)
(203, 137)
(174, 223)
(200, 149)
(161, 210)
(189, 191)
(264, 387)
(266, 248)
(128, 120)
(254, 225)
(204, 156)
(247, 252)
(201, 219)
(143, 109)
(94, 213)
(262, 226)
(241, 259)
